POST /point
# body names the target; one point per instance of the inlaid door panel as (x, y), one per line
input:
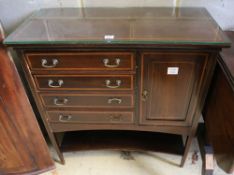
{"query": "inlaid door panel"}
(168, 83)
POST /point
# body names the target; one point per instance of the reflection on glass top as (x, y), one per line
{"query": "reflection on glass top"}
(119, 26)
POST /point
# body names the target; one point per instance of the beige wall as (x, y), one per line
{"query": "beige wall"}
(12, 12)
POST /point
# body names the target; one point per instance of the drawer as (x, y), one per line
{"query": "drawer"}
(88, 100)
(81, 61)
(84, 82)
(91, 117)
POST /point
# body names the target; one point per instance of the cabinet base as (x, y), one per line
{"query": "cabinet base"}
(122, 140)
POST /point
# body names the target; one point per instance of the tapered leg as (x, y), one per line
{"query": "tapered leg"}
(56, 147)
(186, 150)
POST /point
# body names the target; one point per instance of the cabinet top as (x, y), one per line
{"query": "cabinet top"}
(172, 26)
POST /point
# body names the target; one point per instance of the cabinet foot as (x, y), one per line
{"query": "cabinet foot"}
(56, 147)
(186, 150)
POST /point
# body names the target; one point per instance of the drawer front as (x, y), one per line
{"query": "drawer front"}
(84, 82)
(81, 61)
(91, 117)
(88, 100)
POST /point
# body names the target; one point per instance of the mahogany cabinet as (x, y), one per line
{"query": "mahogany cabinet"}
(138, 69)
(23, 149)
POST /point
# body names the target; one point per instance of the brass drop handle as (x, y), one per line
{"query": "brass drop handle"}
(59, 83)
(58, 102)
(65, 118)
(106, 62)
(111, 100)
(115, 118)
(44, 63)
(145, 95)
(108, 84)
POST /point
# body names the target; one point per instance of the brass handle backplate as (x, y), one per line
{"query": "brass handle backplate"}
(65, 118)
(111, 100)
(62, 102)
(115, 118)
(44, 63)
(59, 83)
(108, 84)
(106, 62)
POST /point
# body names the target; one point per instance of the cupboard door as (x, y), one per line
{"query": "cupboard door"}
(169, 83)
(23, 149)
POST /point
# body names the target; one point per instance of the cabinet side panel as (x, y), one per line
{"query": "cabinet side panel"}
(219, 119)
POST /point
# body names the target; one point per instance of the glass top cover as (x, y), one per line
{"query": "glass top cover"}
(119, 26)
